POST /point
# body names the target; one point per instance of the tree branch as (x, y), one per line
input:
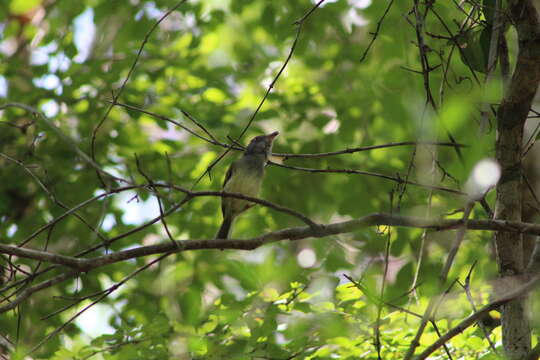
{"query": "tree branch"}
(126, 79)
(212, 140)
(397, 179)
(294, 233)
(62, 136)
(26, 293)
(472, 319)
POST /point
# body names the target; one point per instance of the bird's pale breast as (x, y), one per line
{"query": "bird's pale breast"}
(245, 181)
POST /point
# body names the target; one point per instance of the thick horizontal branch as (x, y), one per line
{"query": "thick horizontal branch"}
(295, 233)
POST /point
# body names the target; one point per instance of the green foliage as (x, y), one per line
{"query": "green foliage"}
(214, 61)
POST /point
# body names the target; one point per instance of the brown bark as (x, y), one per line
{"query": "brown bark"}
(511, 118)
(531, 189)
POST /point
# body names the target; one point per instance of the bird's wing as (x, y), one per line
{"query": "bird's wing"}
(228, 175)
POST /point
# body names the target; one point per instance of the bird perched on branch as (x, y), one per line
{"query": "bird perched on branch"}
(244, 176)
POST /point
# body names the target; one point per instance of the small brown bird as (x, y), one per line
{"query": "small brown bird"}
(244, 176)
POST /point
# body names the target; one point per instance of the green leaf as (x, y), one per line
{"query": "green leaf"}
(190, 304)
(303, 307)
(20, 7)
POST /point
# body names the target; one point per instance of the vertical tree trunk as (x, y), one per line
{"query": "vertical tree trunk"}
(511, 118)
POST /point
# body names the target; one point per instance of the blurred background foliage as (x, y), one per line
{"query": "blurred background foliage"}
(215, 60)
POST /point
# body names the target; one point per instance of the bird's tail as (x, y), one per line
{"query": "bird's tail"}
(225, 229)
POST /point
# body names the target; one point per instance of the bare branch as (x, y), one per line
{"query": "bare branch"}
(26, 293)
(212, 140)
(376, 32)
(298, 24)
(237, 146)
(128, 76)
(158, 197)
(368, 148)
(294, 233)
(50, 193)
(306, 15)
(367, 173)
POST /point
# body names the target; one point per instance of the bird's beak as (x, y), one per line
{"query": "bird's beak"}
(273, 135)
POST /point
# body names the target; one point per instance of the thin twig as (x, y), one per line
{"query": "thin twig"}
(368, 148)
(376, 32)
(62, 136)
(117, 95)
(111, 290)
(158, 198)
(467, 288)
(53, 198)
(382, 176)
(383, 285)
(472, 319)
(298, 24)
(211, 139)
(237, 146)
(442, 279)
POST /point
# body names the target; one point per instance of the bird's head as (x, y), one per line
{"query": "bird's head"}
(261, 144)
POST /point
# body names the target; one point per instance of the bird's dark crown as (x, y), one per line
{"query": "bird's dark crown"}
(261, 144)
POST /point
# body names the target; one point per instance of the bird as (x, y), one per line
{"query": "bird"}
(244, 176)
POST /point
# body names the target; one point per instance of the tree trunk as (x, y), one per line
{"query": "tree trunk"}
(511, 118)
